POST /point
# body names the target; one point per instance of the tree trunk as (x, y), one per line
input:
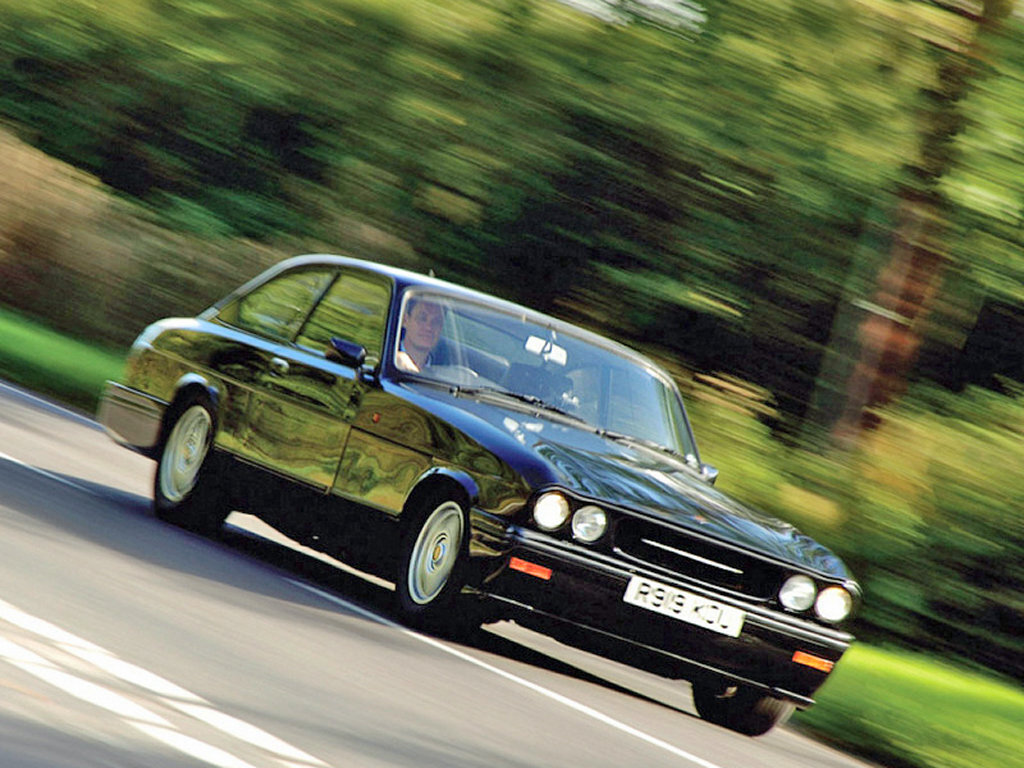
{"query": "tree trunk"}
(890, 334)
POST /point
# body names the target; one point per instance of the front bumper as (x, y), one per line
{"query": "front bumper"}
(131, 417)
(581, 603)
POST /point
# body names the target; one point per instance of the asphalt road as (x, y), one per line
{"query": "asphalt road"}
(127, 642)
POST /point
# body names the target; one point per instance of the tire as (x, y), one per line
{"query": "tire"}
(431, 569)
(739, 709)
(185, 488)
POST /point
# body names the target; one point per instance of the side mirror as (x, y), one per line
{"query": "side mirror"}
(708, 473)
(346, 352)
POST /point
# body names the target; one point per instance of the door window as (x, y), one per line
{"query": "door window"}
(355, 308)
(278, 308)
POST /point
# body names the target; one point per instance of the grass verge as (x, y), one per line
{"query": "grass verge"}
(46, 361)
(905, 709)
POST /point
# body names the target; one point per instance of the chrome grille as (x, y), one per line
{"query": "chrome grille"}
(693, 557)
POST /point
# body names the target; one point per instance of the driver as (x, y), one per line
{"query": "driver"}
(421, 330)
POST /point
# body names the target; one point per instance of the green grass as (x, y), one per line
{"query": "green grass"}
(906, 709)
(46, 361)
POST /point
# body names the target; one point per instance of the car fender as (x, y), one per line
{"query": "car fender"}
(487, 541)
(441, 476)
(190, 384)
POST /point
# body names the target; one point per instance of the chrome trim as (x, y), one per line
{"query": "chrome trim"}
(758, 611)
(130, 417)
(691, 556)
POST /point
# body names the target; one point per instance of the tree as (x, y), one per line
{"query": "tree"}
(890, 333)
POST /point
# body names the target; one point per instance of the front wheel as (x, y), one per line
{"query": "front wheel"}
(431, 570)
(185, 490)
(740, 709)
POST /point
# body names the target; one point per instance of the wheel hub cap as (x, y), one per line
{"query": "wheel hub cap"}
(184, 453)
(434, 554)
(437, 556)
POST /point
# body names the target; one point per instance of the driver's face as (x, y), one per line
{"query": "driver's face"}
(423, 325)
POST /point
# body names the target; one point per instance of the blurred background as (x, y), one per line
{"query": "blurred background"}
(811, 211)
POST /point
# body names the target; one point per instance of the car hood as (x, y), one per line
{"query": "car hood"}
(662, 487)
(630, 475)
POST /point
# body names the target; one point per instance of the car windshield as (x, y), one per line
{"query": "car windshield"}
(505, 352)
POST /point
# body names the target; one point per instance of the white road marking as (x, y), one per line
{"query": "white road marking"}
(87, 691)
(136, 715)
(197, 749)
(48, 405)
(243, 731)
(17, 654)
(36, 626)
(557, 697)
(51, 475)
(173, 695)
(130, 673)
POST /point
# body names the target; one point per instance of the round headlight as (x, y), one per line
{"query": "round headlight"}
(833, 604)
(589, 523)
(550, 511)
(798, 593)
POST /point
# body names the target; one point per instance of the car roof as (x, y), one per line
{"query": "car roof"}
(405, 279)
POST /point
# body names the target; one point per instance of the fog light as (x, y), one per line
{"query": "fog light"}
(589, 523)
(798, 593)
(833, 604)
(550, 511)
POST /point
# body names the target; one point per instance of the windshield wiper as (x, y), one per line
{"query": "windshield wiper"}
(622, 437)
(522, 397)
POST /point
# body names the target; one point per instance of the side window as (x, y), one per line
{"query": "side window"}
(355, 309)
(278, 308)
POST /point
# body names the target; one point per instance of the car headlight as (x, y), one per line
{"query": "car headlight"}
(833, 604)
(589, 523)
(550, 511)
(798, 593)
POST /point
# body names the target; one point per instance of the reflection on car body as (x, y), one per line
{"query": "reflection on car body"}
(494, 463)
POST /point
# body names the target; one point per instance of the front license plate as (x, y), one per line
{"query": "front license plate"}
(685, 606)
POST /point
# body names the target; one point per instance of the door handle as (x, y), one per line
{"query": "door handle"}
(278, 366)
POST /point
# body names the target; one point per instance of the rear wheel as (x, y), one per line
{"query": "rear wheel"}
(185, 489)
(431, 571)
(740, 709)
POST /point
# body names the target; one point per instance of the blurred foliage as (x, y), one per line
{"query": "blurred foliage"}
(987, 186)
(72, 370)
(99, 267)
(516, 144)
(719, 178)
(903, 709)
(719, 181)
(926, 512)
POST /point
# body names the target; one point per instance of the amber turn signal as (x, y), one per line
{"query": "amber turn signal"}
(531, 569)
(814, 662)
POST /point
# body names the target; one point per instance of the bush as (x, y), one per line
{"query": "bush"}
(905, 709)
(925, 511)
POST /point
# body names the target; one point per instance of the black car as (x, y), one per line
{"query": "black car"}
(492, 461)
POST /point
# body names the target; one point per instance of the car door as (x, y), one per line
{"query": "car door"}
(276, 380)
(303, 403)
